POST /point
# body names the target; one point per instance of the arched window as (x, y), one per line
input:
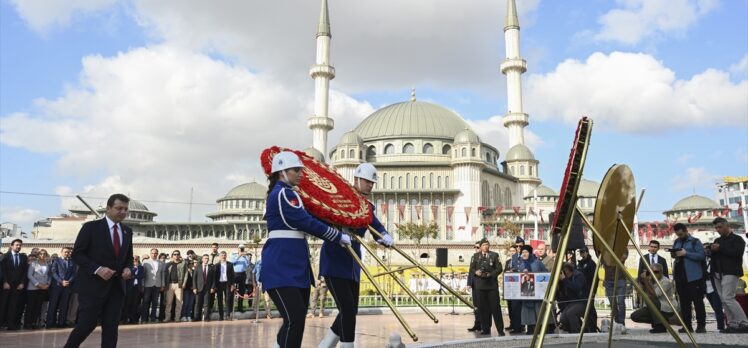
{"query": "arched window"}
(371, 152)
(426, 210)
(507, 197)
(389, 149)
(529, 168)
(407, 180)
(428, 148)
(472, 153)
(446, 181)
(413, 212)
(342, 153)
(352, 154)
(400, 182)
(511, 170)
(360, 155)
(488, 157)
(332, 155)
(415, 182)
(439, 182)
(392, 183)
(409, 148)
(521, 170)
(463, 152)
(446, 149)
(431, 180)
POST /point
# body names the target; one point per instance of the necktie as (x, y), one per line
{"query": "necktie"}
(115, 238)
(15, 256)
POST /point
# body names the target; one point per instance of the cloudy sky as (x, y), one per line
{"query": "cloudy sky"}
(158, 98)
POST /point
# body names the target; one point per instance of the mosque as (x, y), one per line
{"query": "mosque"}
(432, 165)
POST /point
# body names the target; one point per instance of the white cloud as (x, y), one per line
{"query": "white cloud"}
(493, 132)
(376, 44)
(694, 178)
(741, 67)
(41, 15)
(157, 121)
(634, 92)
(19, 216)
(639, 19)
(683, 159)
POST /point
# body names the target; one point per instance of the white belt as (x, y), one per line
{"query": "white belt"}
(285, 234)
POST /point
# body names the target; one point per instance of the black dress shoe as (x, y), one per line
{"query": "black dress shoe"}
(485, 333)
(501, 333)
(657, 330)
(515, 331)
(473, 329)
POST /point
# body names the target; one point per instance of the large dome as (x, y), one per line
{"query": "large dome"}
(251, 190)
(411, 119)
(695, 202)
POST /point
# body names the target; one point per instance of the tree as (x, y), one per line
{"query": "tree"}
(510, 228)
(417, 232)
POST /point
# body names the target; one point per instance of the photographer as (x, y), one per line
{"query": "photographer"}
(727, 266)
(688, 273)
(486, 267)
(574, 289)
(240, 260)
(647, 315)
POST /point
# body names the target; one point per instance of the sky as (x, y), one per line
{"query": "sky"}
(172, 101)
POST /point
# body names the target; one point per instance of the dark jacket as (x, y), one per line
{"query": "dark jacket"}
(490, 264)
(202, 282)
(138, 273)
(60, 272)
(575, 287)
(15, 275)
(661, 260)
(729, 259)
(693, 259)
(587, 267)
(230, 277)
(93, 249)
(180, 272)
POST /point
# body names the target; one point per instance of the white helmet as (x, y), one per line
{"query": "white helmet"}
(285, 160)
(366, 171)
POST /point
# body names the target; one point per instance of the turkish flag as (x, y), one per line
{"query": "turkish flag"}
(401, 208)
(418, 211)
(450, 211)
(434, 210)
(467, 214)
(516, 210)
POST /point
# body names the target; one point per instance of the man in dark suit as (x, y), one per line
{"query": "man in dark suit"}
(103, 252)
(487, 267)
(134, 293)
(225, 279)
(15, 265)
(471, 285)
(652, 258)
(63, 275)
(203, 286)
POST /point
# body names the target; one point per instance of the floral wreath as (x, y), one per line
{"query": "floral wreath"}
(325, 194)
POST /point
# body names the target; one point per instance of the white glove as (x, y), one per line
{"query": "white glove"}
(345, 240)
(386, 240)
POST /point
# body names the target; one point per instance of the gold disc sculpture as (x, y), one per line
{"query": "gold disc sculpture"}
(616, 203)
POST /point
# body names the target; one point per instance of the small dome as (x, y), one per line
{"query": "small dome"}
(519, 152)
(543, 191)
(466, 136)
(695, 202)
(351, 138)
(251, 190)
(137, 206)
(588, 188)
(315, 154)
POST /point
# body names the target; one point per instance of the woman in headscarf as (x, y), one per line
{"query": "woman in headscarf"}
(529, 263)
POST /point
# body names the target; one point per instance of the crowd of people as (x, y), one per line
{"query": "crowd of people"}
(38, 287)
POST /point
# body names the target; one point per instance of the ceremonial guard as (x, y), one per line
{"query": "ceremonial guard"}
(286, 272)
(487, 267)
(342, 273)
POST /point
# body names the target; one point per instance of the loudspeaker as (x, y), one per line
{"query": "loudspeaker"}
(576, 238)
(441, 257)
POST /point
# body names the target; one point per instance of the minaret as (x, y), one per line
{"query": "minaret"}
(322, 72)
(513, 66)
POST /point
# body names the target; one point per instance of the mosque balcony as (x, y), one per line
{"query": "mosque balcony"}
(516, 117)
(320, 122)
(513, 64)
(323, 70)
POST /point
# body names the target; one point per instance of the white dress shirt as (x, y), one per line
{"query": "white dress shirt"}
(223, 277)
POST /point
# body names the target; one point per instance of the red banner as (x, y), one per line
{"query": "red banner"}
(450, 211)
(434, 210)
(461, 228)
(740, 208)
(475, 229)
(516, 210)
(531, 211)
(467, 214)
(385, 207)
(449, 227)
(419, 208)
(497, 212)
(401, 208)
(542, 219)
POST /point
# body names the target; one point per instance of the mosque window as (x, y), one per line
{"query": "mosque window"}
(370, 153)
(472, 153)
(407, 180)
(431, 180)
(439, 181)
(352, 154)
(415, 182)
(392, 182)
(413, 212)
(521, 170)
(529, 169)
(446, 181)
(428, 148)
(384, 181)
(488, 157)
(511, 170)
(389, 149)
(409, 148)
(342, 154)
(463, 152)
(400, 182)
(423, 182)
(446, 149)
(360, 155)
(508, 197)
(426, 210)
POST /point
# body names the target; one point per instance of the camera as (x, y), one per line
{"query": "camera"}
(241, 249)
(672, 251)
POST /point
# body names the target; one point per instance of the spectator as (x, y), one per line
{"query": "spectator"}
(174, 280)
(241, 262)
(133, 293)
(689, 263)
(162, 295)
(214, 254)
(616, 292)
(39, 280)
(187, 290)
(711, 292)
(319, 295)
(574, 286)
(588, 267)
(530, 308)
(203, 285)
(225, 280)
(543, 256)
(153, 283)
(15, 267)
(727, 260)
(658, 297)
(63, 273)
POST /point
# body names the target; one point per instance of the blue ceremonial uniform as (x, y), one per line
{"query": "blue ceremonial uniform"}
(335, 261)
(285, 261)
